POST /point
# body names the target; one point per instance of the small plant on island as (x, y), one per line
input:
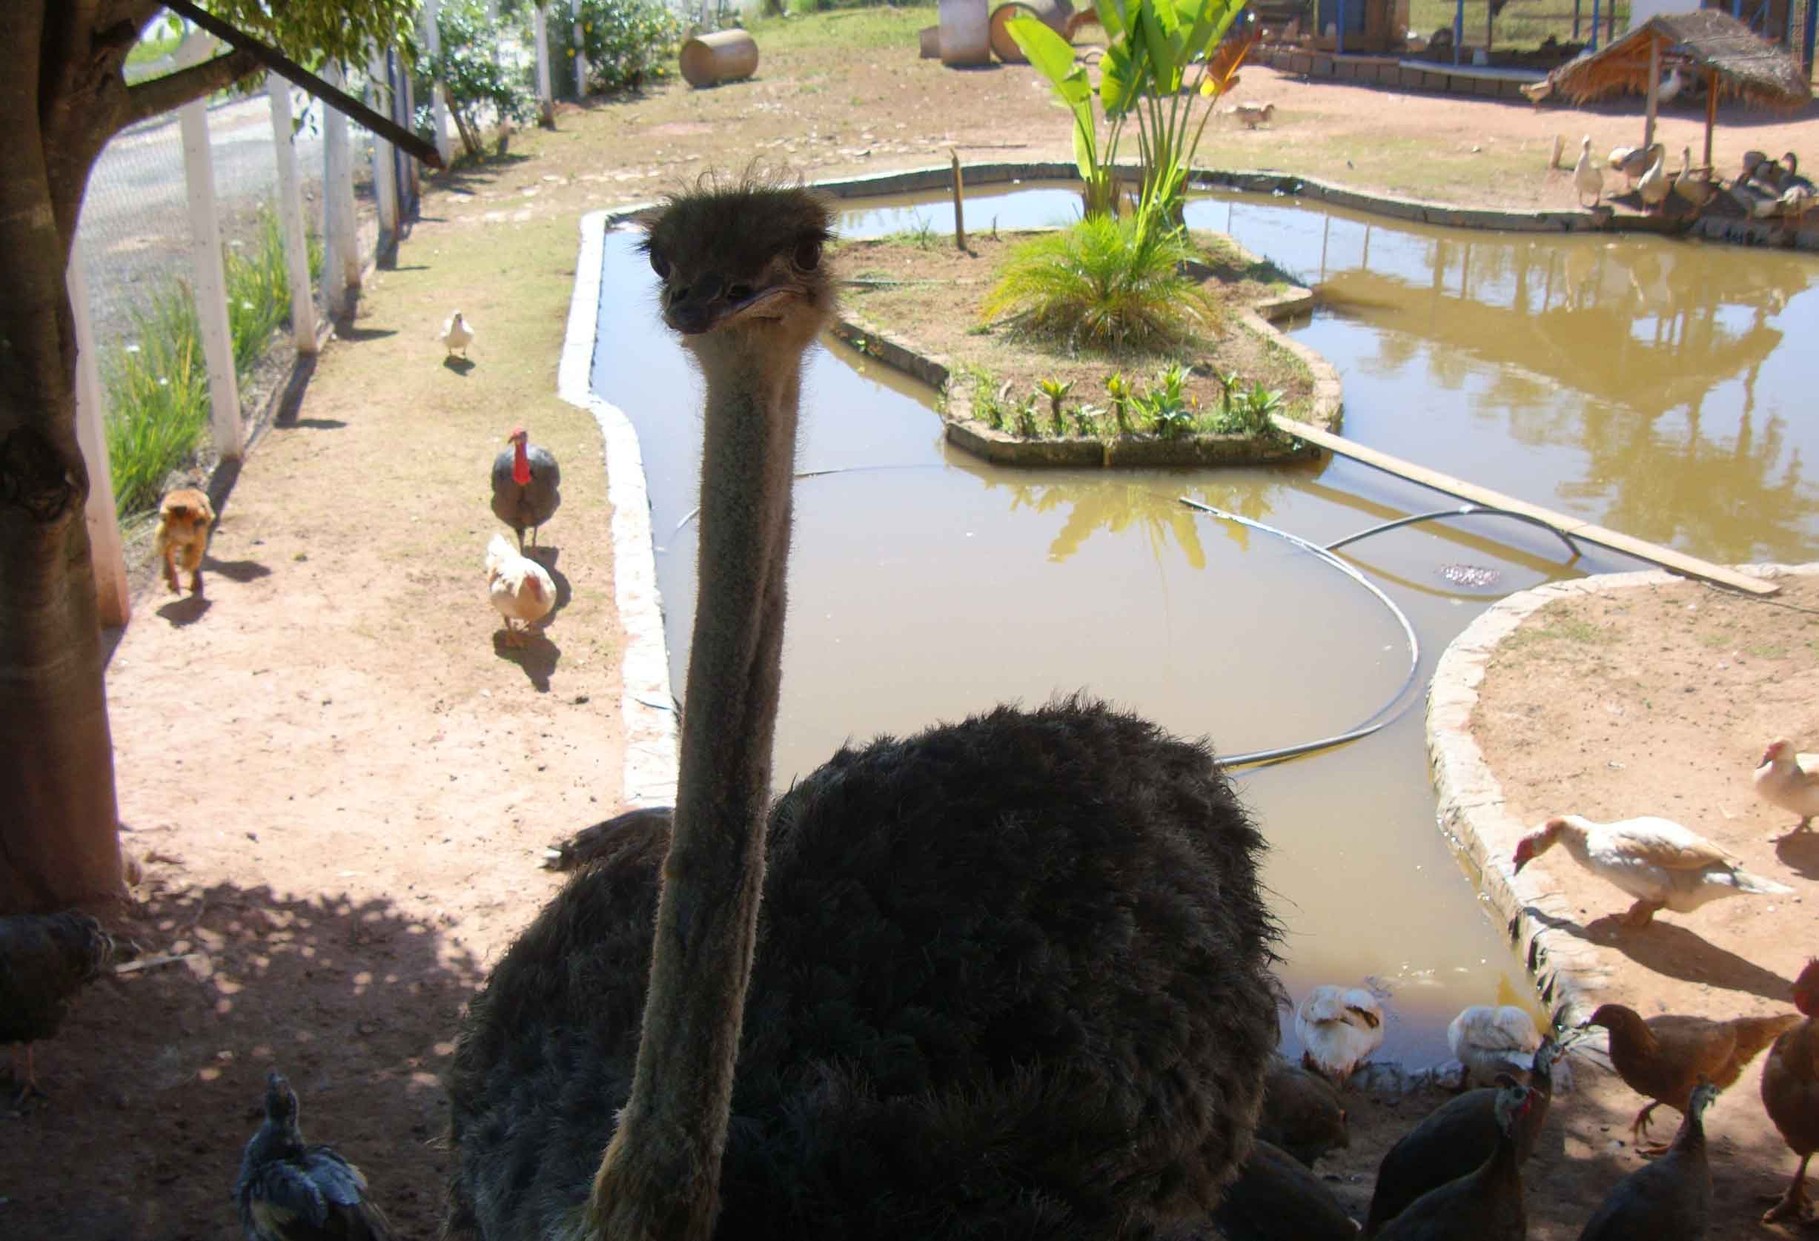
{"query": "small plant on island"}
(1056, 391)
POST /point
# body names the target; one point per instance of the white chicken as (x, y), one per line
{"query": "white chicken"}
(1657, 861)
(1489, 1039)
(1588, 178)
(1339, 1028)
(457, 334)
(521, 589)
(1789, 781)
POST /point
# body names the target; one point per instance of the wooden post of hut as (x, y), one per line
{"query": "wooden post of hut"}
(1654, 93)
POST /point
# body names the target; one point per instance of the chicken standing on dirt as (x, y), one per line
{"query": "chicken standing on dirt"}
(1456, 1137)
(292, 1192)
(1789, 781)
(44, 960)
(1301, 1112)
(521, 590)
(1486, 1203)
(1790, 1093)
(527, 486)
(1275, 1198)
(1657, 861)
(1665, 1057)
(1669, 1199)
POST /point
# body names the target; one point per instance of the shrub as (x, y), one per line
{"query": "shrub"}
(475, 84)
(628, 42)
(1105, 284)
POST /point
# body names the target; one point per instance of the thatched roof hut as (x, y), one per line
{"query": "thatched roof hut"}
(1734, 61)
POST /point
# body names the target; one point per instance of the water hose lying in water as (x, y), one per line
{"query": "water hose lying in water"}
(1377, 720)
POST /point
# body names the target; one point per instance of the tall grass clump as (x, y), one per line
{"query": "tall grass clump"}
(157, 395)
(1106, 284)
(157, 386)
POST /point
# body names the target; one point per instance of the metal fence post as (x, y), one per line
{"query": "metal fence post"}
(385, 166)
(432, 38)
(104, 545)
(210, 285)
(340, 228)
(290, 215)
(546, 98)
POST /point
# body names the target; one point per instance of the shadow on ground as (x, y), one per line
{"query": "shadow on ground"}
(156, 1079)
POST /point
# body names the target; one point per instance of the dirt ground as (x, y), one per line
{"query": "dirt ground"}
(337, 778)
(1660, 701)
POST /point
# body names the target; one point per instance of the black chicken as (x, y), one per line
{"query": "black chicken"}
(527, 485)
(1301, 1112)
(292, 1192)
(44, 960)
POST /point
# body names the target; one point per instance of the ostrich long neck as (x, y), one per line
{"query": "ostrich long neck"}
(661, 1174)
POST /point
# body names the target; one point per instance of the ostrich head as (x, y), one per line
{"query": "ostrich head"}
(743, 269)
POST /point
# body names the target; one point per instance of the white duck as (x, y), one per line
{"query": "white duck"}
(1489, 1039)
(522, 590)
(1654, 186)
(1632, 162)
(1797, 192)
(1657, 861)
(457, 334)
(1339, 1028)
(1789, 781)
(1588, 178)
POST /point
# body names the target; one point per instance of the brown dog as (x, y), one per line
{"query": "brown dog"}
(184, 520)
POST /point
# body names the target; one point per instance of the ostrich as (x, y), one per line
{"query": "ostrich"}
(1011, 974)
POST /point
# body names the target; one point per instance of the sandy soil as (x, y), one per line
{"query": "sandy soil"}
(337, 778)
(1659, 701)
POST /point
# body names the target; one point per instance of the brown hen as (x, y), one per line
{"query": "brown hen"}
(1790, 1093)
(1664, 1057)
(44, 960)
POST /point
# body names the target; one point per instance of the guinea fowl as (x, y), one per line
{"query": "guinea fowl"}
(527, 486)
(1789, 781)
(1339, 1029)
(1301, 1112)
(1456, 1137)
(1790, 1093)
(1275, 1198)
(292, 1192)
(1665, 1057)
(1657, 861)
(1486, 1203)
(44, 960)
(1013, 976)
(1669, 1199)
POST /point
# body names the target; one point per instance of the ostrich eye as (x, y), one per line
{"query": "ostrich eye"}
(660, 265)
(808, 255)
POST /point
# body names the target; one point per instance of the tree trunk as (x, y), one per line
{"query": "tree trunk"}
(58, 820)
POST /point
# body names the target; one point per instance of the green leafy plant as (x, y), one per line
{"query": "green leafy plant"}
(1025, 412)
(628, 42)
(1103, 284)
(1166, 406)
(1086, 420)
(1119, 389)
(474, 84)
(1056, 391)
(1053, 57)
(987, 407)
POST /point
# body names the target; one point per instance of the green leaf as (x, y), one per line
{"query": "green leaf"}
(1112, 18)
(1052, 55)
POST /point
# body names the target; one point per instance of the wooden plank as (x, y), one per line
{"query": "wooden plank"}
(1666, 557)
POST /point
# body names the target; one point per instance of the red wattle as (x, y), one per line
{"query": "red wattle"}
(521, 465)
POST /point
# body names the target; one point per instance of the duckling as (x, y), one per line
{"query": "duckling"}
(1588, 178)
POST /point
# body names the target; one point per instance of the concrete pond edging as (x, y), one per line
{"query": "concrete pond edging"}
(1473, 813)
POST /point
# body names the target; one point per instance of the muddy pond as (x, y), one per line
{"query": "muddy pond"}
(1657, 387)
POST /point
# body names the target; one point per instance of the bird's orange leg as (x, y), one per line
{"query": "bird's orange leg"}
(1641, 914)
(1794, 1204)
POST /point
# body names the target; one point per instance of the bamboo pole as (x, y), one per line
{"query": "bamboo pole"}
(1711, 115)
(1654, 92)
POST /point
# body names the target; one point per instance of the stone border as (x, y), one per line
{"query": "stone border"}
(646, 704)
(1473, 814)
(1001, 448)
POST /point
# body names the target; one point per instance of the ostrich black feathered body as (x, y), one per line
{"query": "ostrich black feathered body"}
(1011, 980)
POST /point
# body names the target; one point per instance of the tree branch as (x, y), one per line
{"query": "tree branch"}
(159, 95)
